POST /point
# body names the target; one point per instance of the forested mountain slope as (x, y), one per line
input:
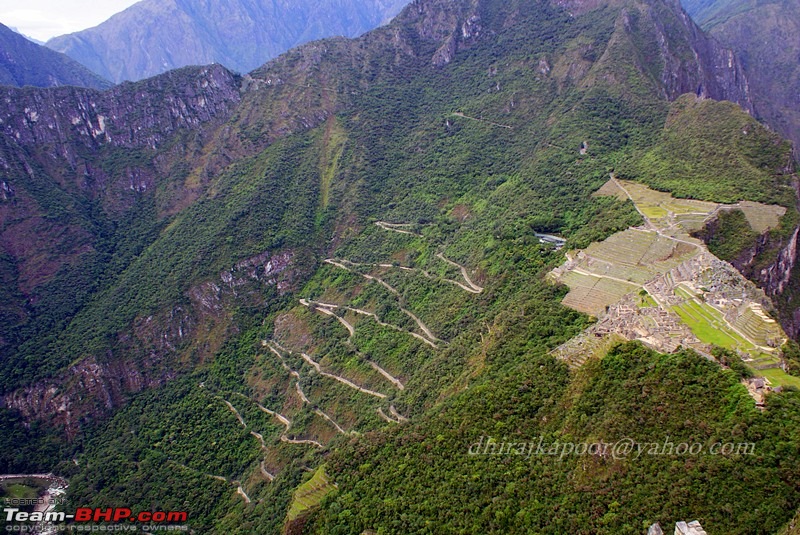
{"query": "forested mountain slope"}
(335, 260)
(764, 36)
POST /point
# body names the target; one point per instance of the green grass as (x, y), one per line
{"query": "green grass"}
(779, 377)
(17, 491)
(310, 494)
(680, 291)
(709, 326)
(647, 301)
(653, 212)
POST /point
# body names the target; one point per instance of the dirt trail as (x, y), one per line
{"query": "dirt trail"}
(651, 227)
(270, 477)
(239, 489)
(302, 394)
(396, 414)
(474, 287)
(330, 306)
(288, 440)
(581, 271)
(345, 264)
(395, 418)
(382, 283)
(332, 422)
(424, 328)
(283, 419)
(329, 312)
(260, 438)
(383, 415)
(397, 227)
(342, 380)
(392, 379)
(283, 362)
(234, 411)
(241, 492)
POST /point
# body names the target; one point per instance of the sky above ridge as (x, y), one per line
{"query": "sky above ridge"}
(43, 19)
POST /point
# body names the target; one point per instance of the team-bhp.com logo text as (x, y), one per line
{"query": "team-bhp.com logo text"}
(621, 449)
(86, 519)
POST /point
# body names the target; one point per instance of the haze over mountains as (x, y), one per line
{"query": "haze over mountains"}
(154, 36)
(23, 62)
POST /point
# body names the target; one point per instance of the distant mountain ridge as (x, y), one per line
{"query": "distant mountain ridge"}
(763, 33)
(154, 36)
(23, 62)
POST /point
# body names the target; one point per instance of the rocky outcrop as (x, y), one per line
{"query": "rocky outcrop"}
(764, 38)
(88, 390)
(772, 263)
(716, 71)
(142, 115)
(74, 161)
(687, 61)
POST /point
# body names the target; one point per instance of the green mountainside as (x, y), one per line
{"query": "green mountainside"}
(762, 34)
(291, 301)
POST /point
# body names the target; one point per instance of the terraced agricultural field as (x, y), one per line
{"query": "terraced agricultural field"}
(760, 328)
(591, 294)
(584, 347)
(661, 208)
(611, 189)
(310, 494)
(602, 274)
(646, 198)
(762, 217)
(708, 324)
(777, 377)
(638, 255)
(691, 222)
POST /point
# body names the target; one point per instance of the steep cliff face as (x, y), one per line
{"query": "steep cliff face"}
(156, 348)
(63, 148)
(772, 263)
(142, 115)
(672, 50)
(720, 74)
(88, 176)
(763, 35)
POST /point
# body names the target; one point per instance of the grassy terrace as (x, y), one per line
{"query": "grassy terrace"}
(777, 376)
(709, 326)
(646, 301)
(310, 494)
(591, 294)
(625, 261)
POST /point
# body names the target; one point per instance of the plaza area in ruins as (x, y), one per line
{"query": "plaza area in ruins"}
(657, 284)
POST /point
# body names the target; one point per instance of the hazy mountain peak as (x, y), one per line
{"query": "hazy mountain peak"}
(154, 36)
(23, 62)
